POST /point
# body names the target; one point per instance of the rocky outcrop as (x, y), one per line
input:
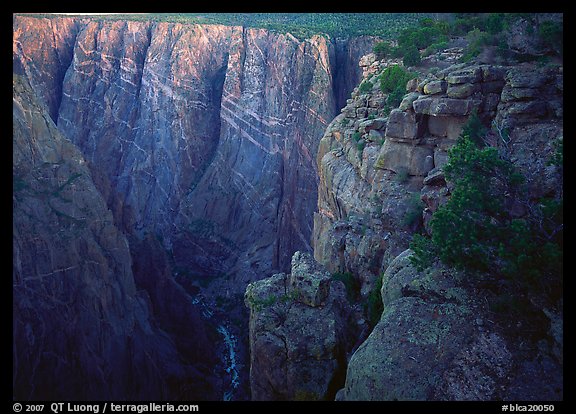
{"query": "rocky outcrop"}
(435, 341)
(204, 135)
(430, 343)
(301, 333)
(376, 189)
(81, 328)
(375, 165)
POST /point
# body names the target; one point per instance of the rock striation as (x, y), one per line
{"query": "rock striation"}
(200, 139)
(81, 327)
(203, 135)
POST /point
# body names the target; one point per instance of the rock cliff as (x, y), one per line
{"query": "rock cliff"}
(432, 341)
(380, 172)
(81, 327)
(381, 180)
(201, 140)
(203, 135)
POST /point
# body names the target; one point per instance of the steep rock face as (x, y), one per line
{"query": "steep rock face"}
(427, 324)
(81, 328)
(50, 41)
(142, 102)
(276, 101)
(301, 332)
(204, 135)
(375, 167)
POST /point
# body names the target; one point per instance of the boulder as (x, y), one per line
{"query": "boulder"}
(297, 351)
(405, 125)
(412, 85)
(445, 106)
(309, 282)
(462, 90)
(408, 350)
(435, 87)
(369, 124)
(375, 135)
(435, 177)
(446, 126)
(396, 156)
(428, 344)
(440, 157)
(510, 93)
(376, 102)
(471, 74)
(493, 73)
(408, 100)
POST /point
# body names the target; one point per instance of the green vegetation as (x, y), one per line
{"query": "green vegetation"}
(351, 284)
(551, 35)
(373, 306)
(412, 56)
(382, 50)
(259, 304)
(476, 230)
(413, 216)
(301, 25)
(365, 87)
(481, 30)
(402, 175)
(393, 82)
(394, 77)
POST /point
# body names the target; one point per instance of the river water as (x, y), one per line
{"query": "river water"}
(229, 353)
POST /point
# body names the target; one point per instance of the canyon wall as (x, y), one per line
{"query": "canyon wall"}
(203, 135)
(82, 328)
(196, 145)
(442, 334)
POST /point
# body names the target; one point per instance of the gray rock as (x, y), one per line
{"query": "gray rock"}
(510, 94)
(440, 158)
(462, 90)
(309, 283)
(408, 100)
(492, 86)
(435, 177)
(444, 106)
(446, 126)
(400, 358)
(435, 87)
(77, 311)
(376, 102)
(412, 85)
(471, 74)
(375, 135)
(396, 156)
(491, 73)
(296, 350)
(406, 125)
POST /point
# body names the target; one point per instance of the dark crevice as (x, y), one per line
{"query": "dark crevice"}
(144, 55)
(64, 63)
(338, 74)
(428, 295)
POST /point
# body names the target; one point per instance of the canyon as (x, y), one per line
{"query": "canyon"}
(212, 212)
(201, 142)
